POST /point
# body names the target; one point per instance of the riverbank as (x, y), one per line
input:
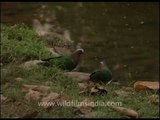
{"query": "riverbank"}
(22, 89)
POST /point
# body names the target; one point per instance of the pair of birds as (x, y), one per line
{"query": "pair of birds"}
(71, 61)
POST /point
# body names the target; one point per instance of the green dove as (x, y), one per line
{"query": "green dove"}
(101, 75)
(65, 62)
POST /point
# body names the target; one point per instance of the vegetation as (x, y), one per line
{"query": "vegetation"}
(19, 44)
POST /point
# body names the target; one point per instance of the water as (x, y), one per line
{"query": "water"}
(125, 35)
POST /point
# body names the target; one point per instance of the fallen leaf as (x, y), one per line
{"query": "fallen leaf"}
(116, 83)
(83, 92)
(33, 95)
(18, 104)
(26, 88)
(102, 89)
(85, 110)
(64, 98)
(122, 93)
(154, 99)
(89, 90)
(91, 84)
(83, 85)
(98, 90)
(128, 89)
(92, 88)
(126, 111)
(52, 97)
(85, 106)
(40, 88)
(109, 82)
(144, 85)
(31, 114)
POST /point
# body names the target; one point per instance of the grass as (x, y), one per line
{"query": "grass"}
(20, 43)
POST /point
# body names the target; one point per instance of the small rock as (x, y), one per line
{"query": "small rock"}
(129, 28)
(79, 76)
(52, 97)
(124, 17)
(127, 111)
(19, 79)
(126, 24)
(39, 88)
(33, 95)
(59, 7)
(142, 22)
(3, 98)
(1, 64)
(49, 83)
(43, 6)
(31, 63)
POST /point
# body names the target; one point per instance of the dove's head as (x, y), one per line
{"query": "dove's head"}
(102, 64)
(79, 51)
(77, 55)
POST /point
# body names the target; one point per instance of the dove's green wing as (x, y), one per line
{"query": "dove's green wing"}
(63, 62)
(102, 75)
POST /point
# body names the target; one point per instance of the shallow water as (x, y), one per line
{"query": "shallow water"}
(125, 35)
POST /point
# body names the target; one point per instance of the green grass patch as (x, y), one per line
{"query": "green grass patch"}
(20, 43)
